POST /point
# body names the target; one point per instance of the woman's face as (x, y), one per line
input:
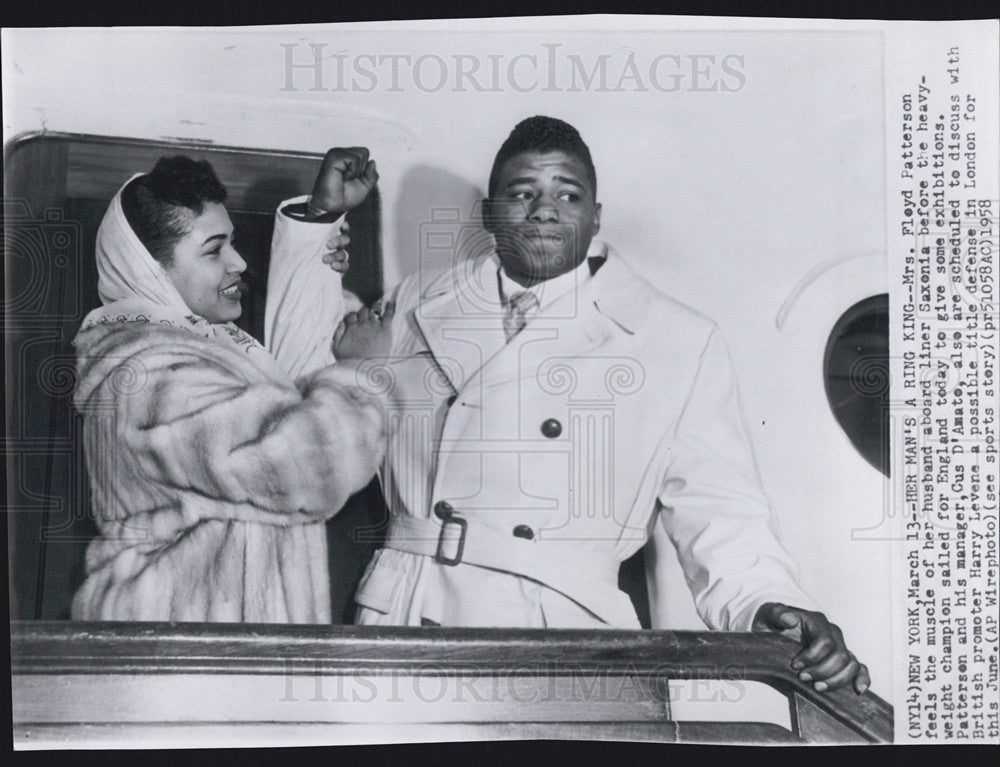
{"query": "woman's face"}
(206, 268)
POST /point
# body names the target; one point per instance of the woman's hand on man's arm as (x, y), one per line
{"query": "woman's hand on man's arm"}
(365, 334)
(337, 257)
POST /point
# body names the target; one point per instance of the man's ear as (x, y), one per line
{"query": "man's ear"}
(597, 217)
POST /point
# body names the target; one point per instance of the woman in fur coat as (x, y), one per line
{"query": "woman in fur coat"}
(212, 471)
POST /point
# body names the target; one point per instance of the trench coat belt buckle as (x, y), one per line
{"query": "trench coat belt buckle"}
(429, 538)
(463, 529)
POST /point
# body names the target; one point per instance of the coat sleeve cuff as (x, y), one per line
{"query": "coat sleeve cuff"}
(296, 209)
(790, 596)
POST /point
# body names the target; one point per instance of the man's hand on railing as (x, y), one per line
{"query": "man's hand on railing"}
(824, 660)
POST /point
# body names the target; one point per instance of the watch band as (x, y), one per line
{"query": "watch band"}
(313, 210)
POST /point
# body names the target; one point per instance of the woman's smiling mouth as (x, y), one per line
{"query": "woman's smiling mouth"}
(232, 293)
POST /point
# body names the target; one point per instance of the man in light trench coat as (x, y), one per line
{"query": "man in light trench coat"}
(551, 407)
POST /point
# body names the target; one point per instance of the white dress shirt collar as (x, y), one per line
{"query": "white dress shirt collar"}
(548, 291)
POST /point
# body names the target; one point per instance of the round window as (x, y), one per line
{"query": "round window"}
(856, 375)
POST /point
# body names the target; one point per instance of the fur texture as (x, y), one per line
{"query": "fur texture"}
(211, 478)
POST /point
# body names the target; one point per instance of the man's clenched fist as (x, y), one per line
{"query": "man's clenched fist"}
(344, 180)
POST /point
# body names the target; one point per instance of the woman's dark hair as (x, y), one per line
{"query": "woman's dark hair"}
(159, 205)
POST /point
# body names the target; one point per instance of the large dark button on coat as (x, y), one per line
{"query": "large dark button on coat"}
(523, 531)
(443, 509)
(551, 428)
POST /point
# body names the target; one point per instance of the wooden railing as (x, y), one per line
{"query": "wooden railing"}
(162, 685)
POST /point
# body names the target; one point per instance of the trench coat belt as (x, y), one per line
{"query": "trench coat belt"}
(584, 577)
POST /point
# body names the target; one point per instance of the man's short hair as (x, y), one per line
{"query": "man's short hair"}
(543, 134)
(159, 205)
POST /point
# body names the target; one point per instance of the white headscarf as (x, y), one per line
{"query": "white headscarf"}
(135, 288)
(125, 269)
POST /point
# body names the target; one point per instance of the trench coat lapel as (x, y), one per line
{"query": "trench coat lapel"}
(459, 319)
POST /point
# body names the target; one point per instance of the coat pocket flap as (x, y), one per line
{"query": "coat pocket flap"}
(379, 588)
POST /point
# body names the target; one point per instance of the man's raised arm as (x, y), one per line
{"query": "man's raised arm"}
(305, 300)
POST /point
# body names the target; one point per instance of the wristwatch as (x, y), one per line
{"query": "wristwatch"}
(313, 211)
(306, 211)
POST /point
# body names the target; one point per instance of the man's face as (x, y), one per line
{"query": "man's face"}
(542, 216)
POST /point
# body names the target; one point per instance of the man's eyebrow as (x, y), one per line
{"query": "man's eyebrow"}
(214, 237)
(521, 180)
(531, 179)
(570, 181)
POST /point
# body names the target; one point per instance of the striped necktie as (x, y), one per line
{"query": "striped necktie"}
(516, 317)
